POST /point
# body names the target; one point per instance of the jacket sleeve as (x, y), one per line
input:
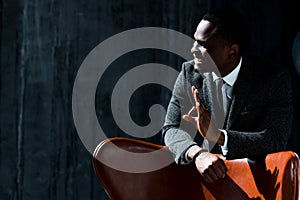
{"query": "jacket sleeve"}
(176, 136)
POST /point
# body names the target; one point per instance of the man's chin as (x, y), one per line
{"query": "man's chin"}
(202, 68)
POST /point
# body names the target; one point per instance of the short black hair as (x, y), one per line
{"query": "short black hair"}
(229, 25)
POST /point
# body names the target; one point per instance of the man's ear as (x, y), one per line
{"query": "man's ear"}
(234, 51)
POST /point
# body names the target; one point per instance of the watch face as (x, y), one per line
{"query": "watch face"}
(296, 52)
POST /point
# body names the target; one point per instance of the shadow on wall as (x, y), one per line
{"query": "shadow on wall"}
(296, 52)
(294, 146)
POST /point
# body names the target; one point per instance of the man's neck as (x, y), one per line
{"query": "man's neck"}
(230, 68)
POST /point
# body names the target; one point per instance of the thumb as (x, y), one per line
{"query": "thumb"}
(186, 118)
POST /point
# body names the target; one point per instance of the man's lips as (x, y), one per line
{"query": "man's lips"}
(198, 61)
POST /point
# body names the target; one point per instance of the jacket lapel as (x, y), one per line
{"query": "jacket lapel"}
(203, 85)
(240, 94)
(206, 94)
(210, 91)
(209, 97)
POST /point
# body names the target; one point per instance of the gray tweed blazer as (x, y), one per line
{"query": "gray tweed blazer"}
(259, 117)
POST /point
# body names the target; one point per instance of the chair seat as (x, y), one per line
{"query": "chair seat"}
(272, 177)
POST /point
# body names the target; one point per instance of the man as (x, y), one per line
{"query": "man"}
(240, 108)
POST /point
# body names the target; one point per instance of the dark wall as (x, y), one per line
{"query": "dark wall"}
(43, 44)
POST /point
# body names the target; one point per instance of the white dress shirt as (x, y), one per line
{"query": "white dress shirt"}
(229, 81)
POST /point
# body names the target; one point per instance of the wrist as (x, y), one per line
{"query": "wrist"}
(221, 139)
(193, 150)
(198, 154)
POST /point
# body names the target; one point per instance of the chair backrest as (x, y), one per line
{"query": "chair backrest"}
(274, 177)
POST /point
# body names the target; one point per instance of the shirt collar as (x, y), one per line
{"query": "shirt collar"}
(232, 76)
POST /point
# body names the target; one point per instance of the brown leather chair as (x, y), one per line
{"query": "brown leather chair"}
(274, 177)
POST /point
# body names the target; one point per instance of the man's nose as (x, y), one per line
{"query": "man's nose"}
(198, 51)
(194, 48)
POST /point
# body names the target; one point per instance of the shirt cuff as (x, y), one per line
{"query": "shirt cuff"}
(224, 147)
(187, 159)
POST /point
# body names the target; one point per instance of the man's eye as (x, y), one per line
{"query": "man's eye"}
(202, 44)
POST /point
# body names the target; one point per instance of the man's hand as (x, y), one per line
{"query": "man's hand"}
(200, 116)
(210, 166)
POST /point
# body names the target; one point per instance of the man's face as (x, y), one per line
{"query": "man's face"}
(208, 50)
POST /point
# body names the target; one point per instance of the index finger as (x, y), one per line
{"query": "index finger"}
(221, 165)
(196, 95)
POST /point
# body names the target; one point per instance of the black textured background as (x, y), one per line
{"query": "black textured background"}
(43, 43)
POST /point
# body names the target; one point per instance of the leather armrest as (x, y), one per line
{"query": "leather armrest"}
(272, 177)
